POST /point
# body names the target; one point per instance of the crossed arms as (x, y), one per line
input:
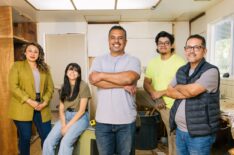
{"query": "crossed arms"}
(176, 92)
(185, 91)
(125, 79)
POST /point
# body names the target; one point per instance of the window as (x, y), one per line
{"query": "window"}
(222, 45)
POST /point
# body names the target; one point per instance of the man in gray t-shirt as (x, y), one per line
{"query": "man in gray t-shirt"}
(115, 75)
(195, 112)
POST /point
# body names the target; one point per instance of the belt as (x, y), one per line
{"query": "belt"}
(38, 98)
(71, 110)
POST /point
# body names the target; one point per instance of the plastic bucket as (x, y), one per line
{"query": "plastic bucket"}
(146, 138)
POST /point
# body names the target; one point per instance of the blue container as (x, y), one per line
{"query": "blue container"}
(146, 137)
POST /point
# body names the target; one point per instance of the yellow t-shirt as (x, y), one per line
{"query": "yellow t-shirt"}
(162, 72)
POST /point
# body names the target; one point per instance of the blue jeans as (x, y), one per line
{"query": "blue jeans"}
(187, 145)
(67, 141)
(113, 138)
(24, 129)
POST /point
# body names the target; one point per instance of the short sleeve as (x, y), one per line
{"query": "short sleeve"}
(209, 80)
(85, 91)
(96, 65)
(173, 82)
(134, 65)
(149, 71)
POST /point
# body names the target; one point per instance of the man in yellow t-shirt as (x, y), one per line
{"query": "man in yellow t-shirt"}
(159, 73)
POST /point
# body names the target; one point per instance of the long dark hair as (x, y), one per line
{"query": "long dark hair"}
(42, 66)
(65, 94)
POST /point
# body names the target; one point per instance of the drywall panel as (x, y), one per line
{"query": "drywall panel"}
(181, 33)
(140, 36)
(199, 26)
(62, 50)
(59, 28)
(145, 29)
(98, 39)
(143, 49)
(220, 10)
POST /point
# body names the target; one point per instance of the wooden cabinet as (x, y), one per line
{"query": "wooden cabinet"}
(12, 37)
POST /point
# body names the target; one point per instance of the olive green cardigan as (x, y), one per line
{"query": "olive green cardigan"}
(22, 87)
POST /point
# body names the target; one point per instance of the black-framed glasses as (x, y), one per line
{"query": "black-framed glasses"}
(193, 48)
(166, 43)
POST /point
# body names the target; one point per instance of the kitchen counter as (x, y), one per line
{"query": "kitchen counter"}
(227, 112)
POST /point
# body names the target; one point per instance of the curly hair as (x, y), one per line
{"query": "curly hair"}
(42, 66)
(66, 89)
(167, 35)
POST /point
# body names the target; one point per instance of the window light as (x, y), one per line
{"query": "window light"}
(94, 4)
(51, 4)
(136, 4)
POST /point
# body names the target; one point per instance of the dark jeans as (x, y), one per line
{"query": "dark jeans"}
(24, 129)
(112, 138)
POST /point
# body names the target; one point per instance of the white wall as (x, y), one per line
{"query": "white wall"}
(216, 12)
(199, 26)
(63, 49)
(222, 9)
(59, 28)
(98, 39)
(141, 36)
(181, 33)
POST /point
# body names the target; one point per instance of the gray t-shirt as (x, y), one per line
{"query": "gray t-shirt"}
(116, 105)
(36, 75)
(209, 80)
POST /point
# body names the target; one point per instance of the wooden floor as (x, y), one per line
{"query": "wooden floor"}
(220, 148)
(160, 150)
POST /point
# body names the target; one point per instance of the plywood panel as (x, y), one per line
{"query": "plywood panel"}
(6, 25)
(8, 137)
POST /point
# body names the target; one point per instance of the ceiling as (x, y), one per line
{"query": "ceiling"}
(167, 10)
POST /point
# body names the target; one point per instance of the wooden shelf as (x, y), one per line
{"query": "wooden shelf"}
(20, 40)
(12, 37)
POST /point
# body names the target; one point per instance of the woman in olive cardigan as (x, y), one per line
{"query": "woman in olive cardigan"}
(31, 90)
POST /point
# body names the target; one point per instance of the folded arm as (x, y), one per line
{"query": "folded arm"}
(190, 90)
(149, 88)
(120, 79)
(174, 93)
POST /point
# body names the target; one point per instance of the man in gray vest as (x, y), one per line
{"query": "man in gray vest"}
(115, 75)
(195, 113)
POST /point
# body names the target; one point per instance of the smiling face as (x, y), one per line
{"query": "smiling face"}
(117, 42)
(194, 51)
(72, 73)
(31, 53)
(164, 45)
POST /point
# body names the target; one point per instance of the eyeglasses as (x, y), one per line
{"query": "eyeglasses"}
(193, 48)
(166, 43)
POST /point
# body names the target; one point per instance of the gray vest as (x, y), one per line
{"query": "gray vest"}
(202, 112)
